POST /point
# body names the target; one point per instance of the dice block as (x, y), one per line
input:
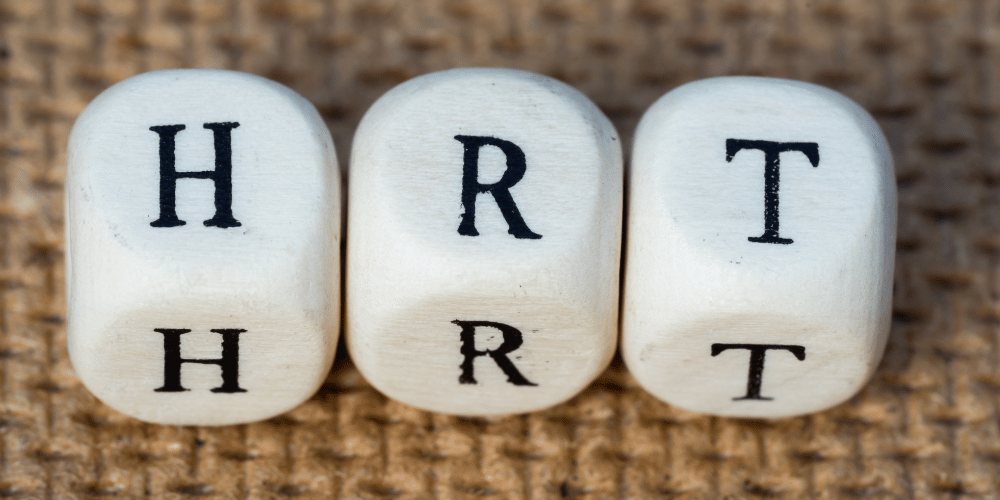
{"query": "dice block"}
(745, 296)
(484, 232)
(203, 247)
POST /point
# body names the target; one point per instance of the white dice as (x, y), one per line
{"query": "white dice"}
(203, 243)
(746, 296)
(484, 231)
(485, 226)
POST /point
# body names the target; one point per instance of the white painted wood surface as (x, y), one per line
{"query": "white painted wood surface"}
(698, 291)
(275, 275)
(415, 284)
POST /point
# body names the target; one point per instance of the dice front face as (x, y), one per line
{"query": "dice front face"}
(761, 238)
(484, 228)
(203, 248)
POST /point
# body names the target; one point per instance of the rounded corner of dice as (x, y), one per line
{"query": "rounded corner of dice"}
(205, 277)
(485, 221)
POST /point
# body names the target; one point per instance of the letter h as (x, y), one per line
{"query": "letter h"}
(172, 360)
(222, 176)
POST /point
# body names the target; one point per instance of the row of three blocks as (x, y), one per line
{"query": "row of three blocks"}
(484, 244)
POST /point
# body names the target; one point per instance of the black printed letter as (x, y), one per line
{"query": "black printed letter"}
(222, 176)
(471, 187)
(511, 341)
(172, 360)
(757, 352)
(772, 152)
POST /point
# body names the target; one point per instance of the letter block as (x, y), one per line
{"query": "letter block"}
(745, 296)
(202, 247)
(484, 233)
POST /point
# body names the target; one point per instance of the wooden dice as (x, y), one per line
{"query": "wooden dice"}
(484, 228)
(203, 247)
(761, 238)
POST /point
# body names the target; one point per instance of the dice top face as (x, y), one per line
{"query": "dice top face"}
(514, 129)
(761, 234)
(484, 228)
(203, 237)
(271, 194)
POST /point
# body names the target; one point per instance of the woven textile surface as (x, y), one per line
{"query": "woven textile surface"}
(927, 426)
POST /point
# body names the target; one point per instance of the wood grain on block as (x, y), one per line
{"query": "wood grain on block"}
(484, 231)
(744, 296)
(203, 247)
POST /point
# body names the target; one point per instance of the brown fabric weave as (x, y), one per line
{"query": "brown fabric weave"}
(928, 426)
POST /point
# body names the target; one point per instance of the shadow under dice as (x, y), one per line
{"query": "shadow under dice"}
(761, 238)
(203, 248)
(484, 228)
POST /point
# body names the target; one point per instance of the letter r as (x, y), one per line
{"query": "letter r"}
(471, 188)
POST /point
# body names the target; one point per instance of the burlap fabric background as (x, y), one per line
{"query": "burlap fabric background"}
(928, 426)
